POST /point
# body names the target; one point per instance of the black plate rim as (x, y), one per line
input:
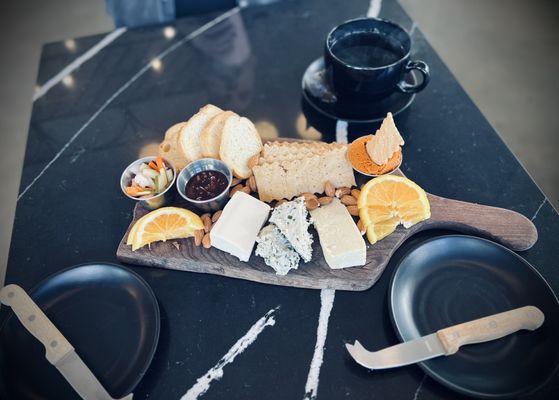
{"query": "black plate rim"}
(310, 99)
(143, 282)
(428, 370)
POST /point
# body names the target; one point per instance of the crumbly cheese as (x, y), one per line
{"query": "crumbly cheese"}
(291, 219)
(236, 230)
(342, 244)
(276, 250)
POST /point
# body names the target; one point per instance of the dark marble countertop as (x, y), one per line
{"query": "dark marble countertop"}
(83, 132)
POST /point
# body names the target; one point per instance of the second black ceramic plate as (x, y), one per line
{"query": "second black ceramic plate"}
(108, 313)
(453, 279)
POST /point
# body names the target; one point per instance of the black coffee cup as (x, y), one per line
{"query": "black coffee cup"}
(368, 59)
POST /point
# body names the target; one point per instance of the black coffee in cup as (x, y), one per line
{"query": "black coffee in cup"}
(368, 58)
(367, 49)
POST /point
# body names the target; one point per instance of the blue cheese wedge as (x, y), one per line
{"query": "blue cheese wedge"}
(292, 220)
(340, 239)
(236, 230)
(276, 250)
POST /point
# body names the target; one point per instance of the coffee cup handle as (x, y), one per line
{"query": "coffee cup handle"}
(405, 87)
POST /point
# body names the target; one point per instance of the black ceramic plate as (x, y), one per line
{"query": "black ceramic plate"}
(454, 279)
(108, 313)
(319, 94)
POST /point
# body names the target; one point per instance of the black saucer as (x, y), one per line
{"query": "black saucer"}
(319, 94)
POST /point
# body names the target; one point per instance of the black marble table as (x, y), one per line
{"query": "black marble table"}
(85, 131)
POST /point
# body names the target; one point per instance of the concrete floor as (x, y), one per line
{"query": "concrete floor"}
(498, 49)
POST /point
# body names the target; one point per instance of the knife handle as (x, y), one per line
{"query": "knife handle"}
(36, 322)
(490, 328)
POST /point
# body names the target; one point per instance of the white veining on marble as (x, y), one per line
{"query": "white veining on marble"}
(418, 390)
(341, 131)
(539, 208)
(374, 8)
(326, 303)
(216, 372)
(134, 78)
(111, 37)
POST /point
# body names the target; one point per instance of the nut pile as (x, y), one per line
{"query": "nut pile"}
(348, 196)
(202, 236)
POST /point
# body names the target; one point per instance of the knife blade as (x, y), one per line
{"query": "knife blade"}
(59, 352)
(447, 341)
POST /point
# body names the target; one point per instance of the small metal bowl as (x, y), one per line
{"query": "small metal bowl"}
(205, 164)
(151, 203)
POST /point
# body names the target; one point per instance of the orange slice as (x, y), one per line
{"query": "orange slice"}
(387, 201)
(164, 224)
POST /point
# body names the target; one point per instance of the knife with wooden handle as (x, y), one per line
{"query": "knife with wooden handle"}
(447, 341)
(59, 352)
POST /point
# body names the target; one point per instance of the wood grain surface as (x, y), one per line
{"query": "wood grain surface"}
(503, 226)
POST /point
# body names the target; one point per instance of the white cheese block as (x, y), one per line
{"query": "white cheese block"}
(342, 244)
(236, 230)
(276, 250)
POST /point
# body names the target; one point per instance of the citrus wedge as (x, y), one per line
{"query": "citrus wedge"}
(164, 224)
(387, 201)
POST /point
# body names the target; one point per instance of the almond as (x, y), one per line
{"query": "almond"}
(253, 161)
(206, 241)
(343, 191)
(235, 182)
(216, 216)
(355, 193)
(308, 196)
(325, 200)
(361, 228)
(329, 189)
(353, 210)
(312, 203)
(245, 189)
(198, 236)
(207, 222)
(235, 189)
(348, 200)
(252, 183)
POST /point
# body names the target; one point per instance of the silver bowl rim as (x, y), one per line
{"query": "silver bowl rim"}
(139, 161)
(229, 177)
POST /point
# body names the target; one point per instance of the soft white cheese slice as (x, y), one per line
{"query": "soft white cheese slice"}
(291, 219)
(342, 244)
(276, 250)
(236, 230)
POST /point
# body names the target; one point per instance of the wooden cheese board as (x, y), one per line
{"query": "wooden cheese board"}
(503, 226)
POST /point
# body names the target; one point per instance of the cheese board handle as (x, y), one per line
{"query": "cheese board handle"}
(490, 328)
(504, 226)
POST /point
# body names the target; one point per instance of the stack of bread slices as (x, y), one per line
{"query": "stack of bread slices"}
(213, 133)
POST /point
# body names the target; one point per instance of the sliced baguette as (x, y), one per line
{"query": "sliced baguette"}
(239, 142)
(210, 138)
(169, 148)
(189, 137)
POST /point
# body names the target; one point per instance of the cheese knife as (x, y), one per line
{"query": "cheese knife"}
(59, 352)
(447, 341)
